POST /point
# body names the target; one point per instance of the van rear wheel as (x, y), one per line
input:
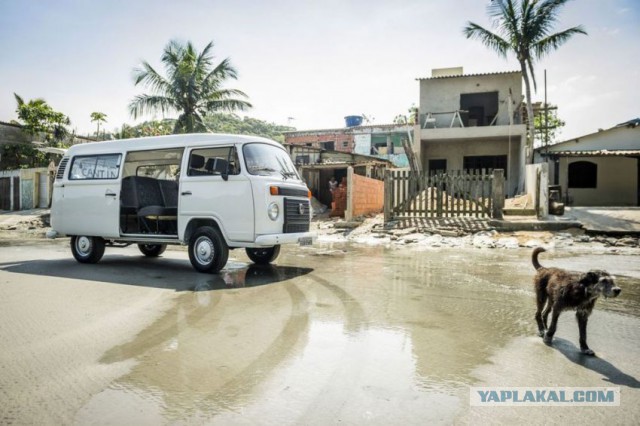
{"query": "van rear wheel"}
(263, 255)
(87, 249)
(208, 252)
(152, 250)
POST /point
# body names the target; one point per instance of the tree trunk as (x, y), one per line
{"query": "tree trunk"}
(530, 123)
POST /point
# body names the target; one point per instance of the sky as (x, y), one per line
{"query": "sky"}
(306, 63)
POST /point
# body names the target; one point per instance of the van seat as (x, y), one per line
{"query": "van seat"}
(150, 200)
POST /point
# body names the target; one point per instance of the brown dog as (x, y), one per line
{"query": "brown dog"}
(562, 290)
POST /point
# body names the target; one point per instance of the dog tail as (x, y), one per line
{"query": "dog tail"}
(534, 257)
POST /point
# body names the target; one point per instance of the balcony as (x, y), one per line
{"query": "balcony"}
(461, 124)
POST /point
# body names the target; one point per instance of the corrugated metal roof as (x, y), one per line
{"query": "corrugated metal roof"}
(468, 75)
(597, 153)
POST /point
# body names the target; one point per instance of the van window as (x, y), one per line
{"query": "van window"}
(268, 160)
(98, 167)
(213, 161)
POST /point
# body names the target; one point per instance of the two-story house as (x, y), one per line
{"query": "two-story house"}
(472, 122)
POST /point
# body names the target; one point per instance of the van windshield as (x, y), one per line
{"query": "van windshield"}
(268, 160)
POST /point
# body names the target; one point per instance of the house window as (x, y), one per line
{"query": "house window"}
(479, 109)
(437, 166)
(488, 162)
(583, 174)
(345, 144)
(329, 146)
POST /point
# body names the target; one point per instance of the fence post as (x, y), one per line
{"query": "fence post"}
(497, 193)
(348, 214)
(388, 202)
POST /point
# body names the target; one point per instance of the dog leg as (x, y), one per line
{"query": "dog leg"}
(548, 336)
(545, 314)
(582, 317)
(540, 301)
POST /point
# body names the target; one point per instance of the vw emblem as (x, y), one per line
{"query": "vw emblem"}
(301, 208)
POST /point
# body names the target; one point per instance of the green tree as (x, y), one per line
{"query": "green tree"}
(98, 117)
(547, 129)
(38, 117)
(524, 28)
(193, 87)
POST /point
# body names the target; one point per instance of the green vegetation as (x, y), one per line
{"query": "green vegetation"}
(546, 130)
(98, 117)
(38, 120)
(524, 29)
(193, 87)
(216, 123)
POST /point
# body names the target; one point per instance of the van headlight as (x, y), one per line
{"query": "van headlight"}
(273, 211)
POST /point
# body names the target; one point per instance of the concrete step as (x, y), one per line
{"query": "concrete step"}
(519, 212)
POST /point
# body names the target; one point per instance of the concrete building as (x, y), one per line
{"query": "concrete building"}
(385, 141)
(471, 122)
(598, 169)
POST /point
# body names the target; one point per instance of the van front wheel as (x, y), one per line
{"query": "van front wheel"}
(152, 250)
(263, 255)
(208, 251)
(87, 249)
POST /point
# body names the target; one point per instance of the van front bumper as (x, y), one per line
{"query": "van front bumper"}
(302, 238)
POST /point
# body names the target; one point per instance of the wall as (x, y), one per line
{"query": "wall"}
(343, 141)
(617, 138)
(364, 195)
(537, 187)
(443, 94)
(454, 152)
(11, 133)
(617, 183)
(29, 187)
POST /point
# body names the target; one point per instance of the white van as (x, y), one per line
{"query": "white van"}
(213, 192)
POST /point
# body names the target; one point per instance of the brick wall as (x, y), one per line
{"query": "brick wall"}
(366, 195)
(342, 142)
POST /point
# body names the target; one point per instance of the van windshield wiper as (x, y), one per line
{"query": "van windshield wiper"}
(262, 169)
(286, 175)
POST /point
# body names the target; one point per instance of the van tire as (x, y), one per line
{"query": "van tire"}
(152, 250)
(263, 255)
(208, 252)
(87, 249)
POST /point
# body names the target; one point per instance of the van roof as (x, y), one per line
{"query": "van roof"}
(159, 142)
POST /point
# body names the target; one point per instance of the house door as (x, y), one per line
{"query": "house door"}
(5, 193)
(437, 166)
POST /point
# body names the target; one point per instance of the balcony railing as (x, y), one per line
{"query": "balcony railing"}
(462, 118)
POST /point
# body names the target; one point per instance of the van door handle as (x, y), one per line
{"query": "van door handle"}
(110, 193)
(186, 193)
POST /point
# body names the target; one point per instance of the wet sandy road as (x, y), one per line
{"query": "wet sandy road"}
(329, 335)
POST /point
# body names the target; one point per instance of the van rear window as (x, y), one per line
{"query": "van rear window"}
(105, 166)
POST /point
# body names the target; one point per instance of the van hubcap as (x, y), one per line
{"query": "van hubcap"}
(83, 245)
(204, 250)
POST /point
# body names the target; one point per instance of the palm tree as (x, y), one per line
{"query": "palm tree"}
(99, 117)
(192, 87)
(524, 28)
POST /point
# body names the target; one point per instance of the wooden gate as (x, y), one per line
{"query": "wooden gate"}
(473, 193)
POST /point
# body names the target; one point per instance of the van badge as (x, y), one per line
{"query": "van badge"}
(301, 208)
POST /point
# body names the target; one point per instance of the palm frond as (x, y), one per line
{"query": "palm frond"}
(554, 41)
(150, 77)
(19, 100)
(226, 105)
(486, 37)
(149, 103)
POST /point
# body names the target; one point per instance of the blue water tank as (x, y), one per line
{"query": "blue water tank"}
(353, 120)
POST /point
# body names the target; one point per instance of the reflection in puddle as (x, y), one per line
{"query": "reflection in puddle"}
(253, 275)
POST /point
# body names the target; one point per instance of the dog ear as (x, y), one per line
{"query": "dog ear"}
(589, 278)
